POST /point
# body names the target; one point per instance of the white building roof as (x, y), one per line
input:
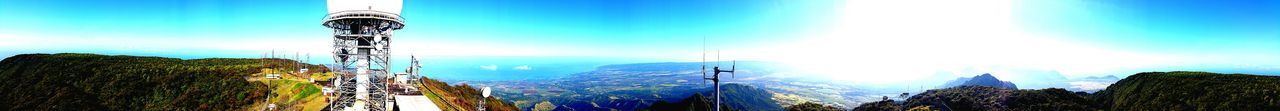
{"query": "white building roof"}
(415, 103)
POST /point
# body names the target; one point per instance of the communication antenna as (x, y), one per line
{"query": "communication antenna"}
(297, 63)
(362, 32)
(485, 94)
(414, 67)
(715, 75)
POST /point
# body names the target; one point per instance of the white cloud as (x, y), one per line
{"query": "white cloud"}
(522, 67)
(489, 67)
(1090, 85)
(8, 40)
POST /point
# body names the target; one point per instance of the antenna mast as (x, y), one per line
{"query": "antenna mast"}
(715, 75)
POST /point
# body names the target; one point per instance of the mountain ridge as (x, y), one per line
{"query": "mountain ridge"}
(1177, 90)
(735, 97)
(985, 79)
(1189, 90)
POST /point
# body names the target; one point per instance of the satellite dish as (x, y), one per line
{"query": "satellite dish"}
(485, 92)
(389, 6)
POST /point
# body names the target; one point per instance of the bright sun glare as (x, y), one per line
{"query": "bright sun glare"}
(877, 41)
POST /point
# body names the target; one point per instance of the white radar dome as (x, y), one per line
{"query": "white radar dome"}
(389, 6)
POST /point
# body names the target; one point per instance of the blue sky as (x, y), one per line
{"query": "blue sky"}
(490, 27)
(920, 37)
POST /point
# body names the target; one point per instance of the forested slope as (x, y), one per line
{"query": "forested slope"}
(70, 81)
(1148, 91)
(1181, 90)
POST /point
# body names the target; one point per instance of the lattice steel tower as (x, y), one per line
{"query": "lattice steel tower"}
(362, 31)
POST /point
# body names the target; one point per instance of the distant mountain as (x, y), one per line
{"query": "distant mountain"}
(981, 80)
(1179, 90)
(1039, 79)
(985, 98)
(1183, 90)
(956, 82)
(735, 96)
(1024, 77)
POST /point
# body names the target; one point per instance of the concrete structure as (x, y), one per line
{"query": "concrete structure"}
(402, 78)
(415, 103)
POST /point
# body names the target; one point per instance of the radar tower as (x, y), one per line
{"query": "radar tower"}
(362, 31)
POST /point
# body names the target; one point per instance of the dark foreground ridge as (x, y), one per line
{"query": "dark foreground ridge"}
(1179, 90)
(736, 97)
(1183, 90)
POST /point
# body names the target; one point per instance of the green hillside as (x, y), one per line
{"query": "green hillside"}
(1149, 91)
(461, 97)
(985, 98)
(885, 105)
(1192, 91)
(696, 102)
(69, 81)
(809, 106)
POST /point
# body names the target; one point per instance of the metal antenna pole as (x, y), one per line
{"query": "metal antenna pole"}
(297, 63)
(717, 81)
(715, 76)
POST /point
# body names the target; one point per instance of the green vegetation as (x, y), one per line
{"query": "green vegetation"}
(986, 98)
(292, 94)
(1051, 98)
(696, 102)
(1192, 91)
(964, 98)
(461, 97)
(307, 90)
(921, 108)
(886, 105)
(735, 97)
(810, 106)
(293, 90)
(1142, 92)
(70, 81)
(544, 106)
(739, 96)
